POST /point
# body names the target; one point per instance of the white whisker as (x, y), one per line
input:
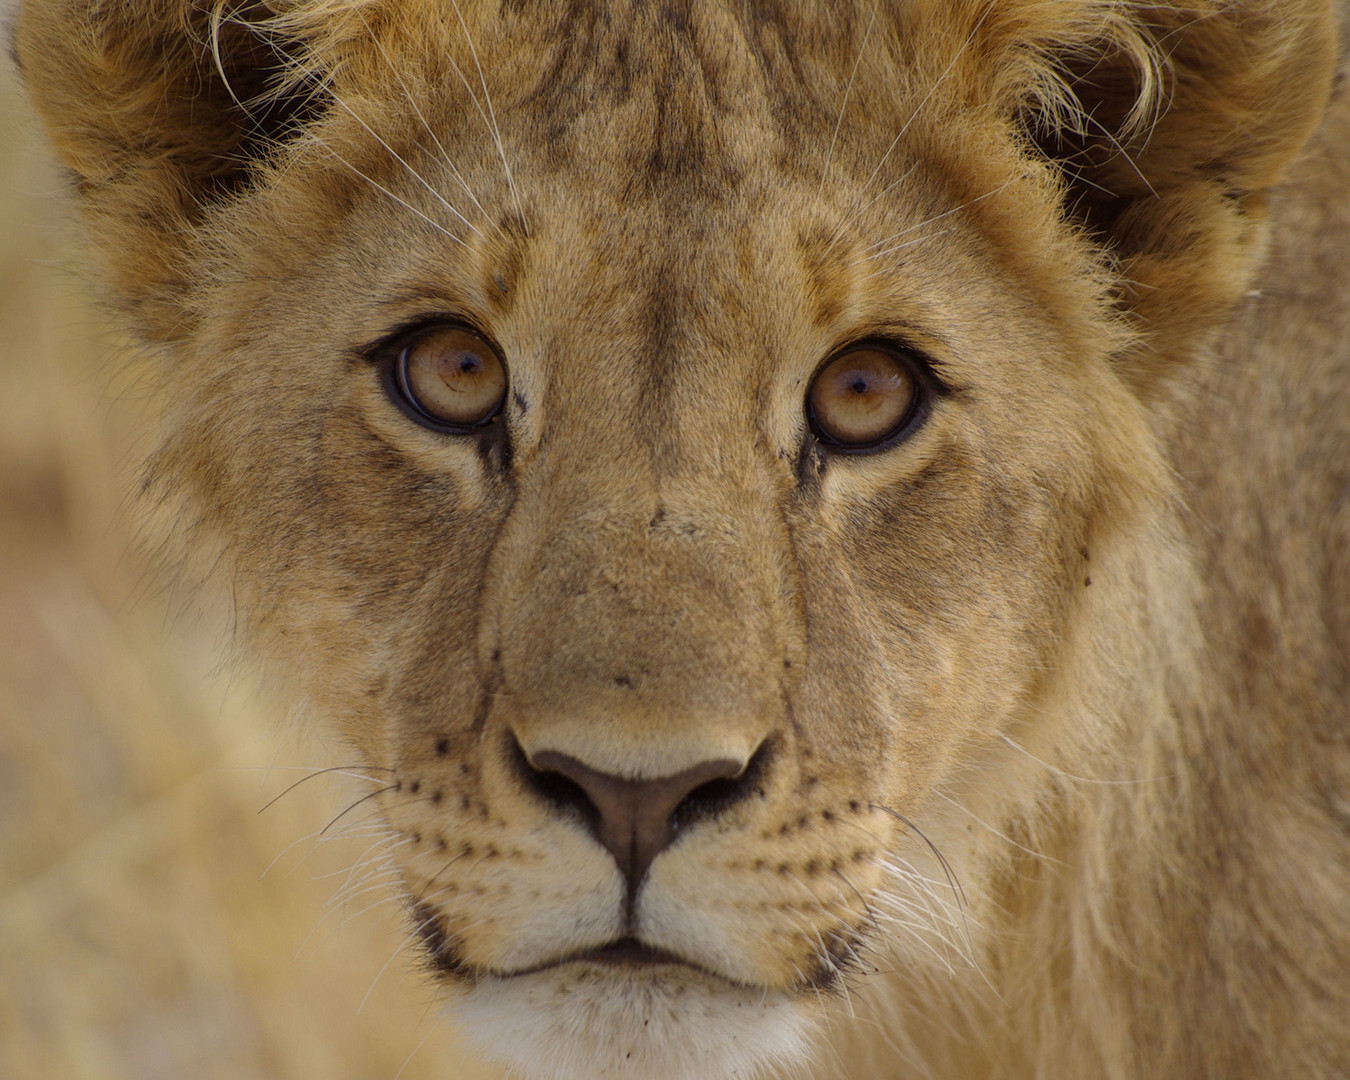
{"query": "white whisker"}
(892, 250)
(492, 115)
(1079, 779)
(399, 158)
(1121, 151)
(931, 91)
(1002, 836)
(318, 839)
(381, 188)
(859, 211)
(408, 1060)
(375, 877)
(931, 221)
(848, 90)
(412, 101)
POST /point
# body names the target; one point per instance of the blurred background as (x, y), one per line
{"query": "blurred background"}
(153, 922)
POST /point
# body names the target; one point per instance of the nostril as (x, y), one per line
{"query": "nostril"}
(554, 787)
(636, 819)
(718, 795)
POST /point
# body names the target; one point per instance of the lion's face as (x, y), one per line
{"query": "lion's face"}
(787, 513)
(651, 562)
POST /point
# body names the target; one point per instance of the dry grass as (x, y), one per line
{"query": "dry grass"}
(139, 937)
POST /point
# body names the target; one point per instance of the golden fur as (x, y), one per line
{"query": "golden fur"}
(1083, 633)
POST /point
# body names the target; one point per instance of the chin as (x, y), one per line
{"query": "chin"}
(583, 1021)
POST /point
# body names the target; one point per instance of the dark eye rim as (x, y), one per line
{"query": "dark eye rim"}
(927, 387)
(391, 356)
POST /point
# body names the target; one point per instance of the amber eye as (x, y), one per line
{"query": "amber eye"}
(862, 397)
(451, 377)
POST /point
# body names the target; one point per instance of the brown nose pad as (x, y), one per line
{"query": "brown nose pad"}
(637, 819)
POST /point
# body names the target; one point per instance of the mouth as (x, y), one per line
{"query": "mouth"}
(623, 955)
(626, 953)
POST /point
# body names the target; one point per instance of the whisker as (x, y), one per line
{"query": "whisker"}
(346, 833)
(290, 64)
(932, 221)
(932, 908)
(317, 841)
(420, 898)
(848, 946)
(925, 919)
(372, 883)
(1080, 779)
(859, 211)
(342, 770)
(928, 886)
(411, 938)
(492, 115)
(391, 896)
(399, 158)
(942, 860)
(1121, 151)
(318, 924)
(367, 868)
(358, 802)
(885, 270)
(381, 188)
(408, 1060)
(412, 101)
(918, 109)
(920, 933)
(871, 915)
(1002, 836)
(375, 852)
(829, 154)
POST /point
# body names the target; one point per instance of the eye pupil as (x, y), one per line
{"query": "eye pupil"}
(863, 397)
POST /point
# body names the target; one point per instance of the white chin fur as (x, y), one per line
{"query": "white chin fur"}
(587, 1022)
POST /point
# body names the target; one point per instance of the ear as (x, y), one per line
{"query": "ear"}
(1171, 137)
(162, 109)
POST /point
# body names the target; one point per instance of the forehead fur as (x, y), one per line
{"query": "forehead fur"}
(694, 104)
(994, 54)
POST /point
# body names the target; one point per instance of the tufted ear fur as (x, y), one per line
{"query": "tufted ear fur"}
(1172, 136)
(161, 109)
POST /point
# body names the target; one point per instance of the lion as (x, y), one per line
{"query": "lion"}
(826, 526)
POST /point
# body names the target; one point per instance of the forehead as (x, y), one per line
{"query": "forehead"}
(639, 123)
(686, 100)
(657, 175)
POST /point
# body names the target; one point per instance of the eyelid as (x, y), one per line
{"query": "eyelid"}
(397, 337)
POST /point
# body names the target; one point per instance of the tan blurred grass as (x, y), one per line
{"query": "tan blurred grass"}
(138, 935)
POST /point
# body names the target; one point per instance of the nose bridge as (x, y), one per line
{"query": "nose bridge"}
(637, 629)
(640, 646)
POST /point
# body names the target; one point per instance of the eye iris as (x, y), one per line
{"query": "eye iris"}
(861, 397)
(453, 376)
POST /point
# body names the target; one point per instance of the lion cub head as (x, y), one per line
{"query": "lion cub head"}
(704, 459)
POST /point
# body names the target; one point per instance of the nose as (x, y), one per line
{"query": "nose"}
(637, 819)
